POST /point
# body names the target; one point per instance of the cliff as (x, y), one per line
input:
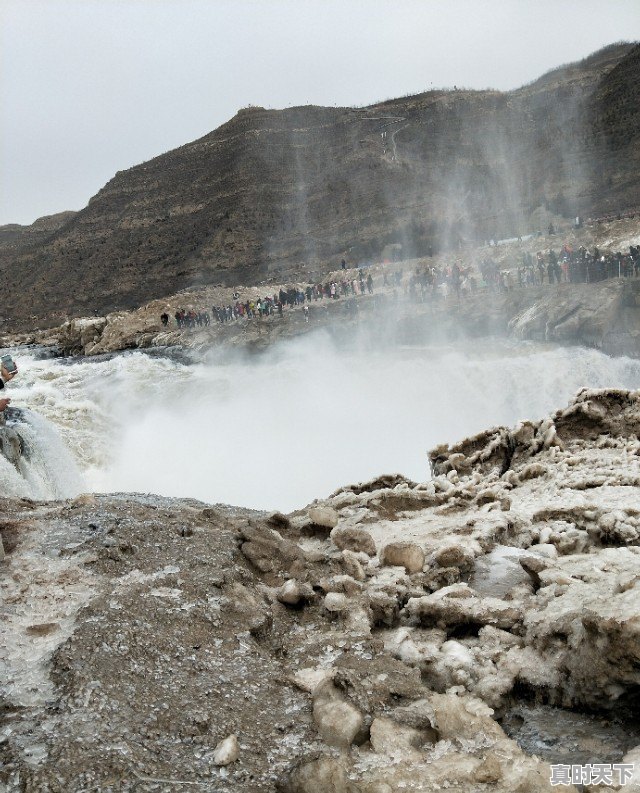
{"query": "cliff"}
(604, 315)
(278, 195)
(18, 239)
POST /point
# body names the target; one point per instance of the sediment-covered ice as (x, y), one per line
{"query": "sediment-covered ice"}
(373, 641)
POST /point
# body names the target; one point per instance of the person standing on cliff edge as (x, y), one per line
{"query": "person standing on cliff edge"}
(5, 376)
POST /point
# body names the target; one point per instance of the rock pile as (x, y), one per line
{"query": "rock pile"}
(375, 641)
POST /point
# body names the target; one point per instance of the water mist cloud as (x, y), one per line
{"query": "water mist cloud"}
(277, 430)
(294, 424)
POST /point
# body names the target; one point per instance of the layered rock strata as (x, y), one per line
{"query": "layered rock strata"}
(274, 194)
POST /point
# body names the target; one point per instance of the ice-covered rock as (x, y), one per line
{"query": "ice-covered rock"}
(336, 602)
(323, 775)
(401, 661)
(325, 517)
(455, 556)
(459, 605)
(353, 565)
(267, 550)
(310, 679)
(403, 554)
(227, 751)
(292, 592)
(585, 616)
(337, 720)
(463, 717)
(78, 334)
(390, 737)
(354, 538)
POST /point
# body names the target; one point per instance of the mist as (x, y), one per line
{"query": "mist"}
(175, 71)
(277, 430)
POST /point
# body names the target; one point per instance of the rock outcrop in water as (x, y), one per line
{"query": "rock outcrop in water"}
(11, 444)
(375, 641)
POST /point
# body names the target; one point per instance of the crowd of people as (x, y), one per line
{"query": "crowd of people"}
(577, 266)
(273, 304)
(567, 265)
(628, 214)
(188, 319)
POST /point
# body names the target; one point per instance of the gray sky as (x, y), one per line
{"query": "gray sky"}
(90, 87)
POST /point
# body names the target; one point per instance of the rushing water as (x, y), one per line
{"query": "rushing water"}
(47, 468)
(279, 430)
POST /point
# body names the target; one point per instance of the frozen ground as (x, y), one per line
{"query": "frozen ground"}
(374, 641)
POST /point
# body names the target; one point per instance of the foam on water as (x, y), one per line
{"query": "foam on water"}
(294, 424)
(47, 469)
(47, 465)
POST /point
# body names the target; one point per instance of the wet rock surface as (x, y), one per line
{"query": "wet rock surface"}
(394, 636)
(562, 736)
(11, 442)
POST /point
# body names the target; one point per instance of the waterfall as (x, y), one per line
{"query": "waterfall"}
(46, 469)
(278, 430)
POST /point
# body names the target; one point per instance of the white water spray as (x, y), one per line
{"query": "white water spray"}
(46, 469)
(294, 424)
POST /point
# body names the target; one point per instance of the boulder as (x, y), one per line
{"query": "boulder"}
(279, 521)
(289, 593)
(353, 566)
(267, 550)
(384, 608)
(454, 556)
(354, 538)
(310, 679)
(227, 751)
(389, 737)
(336, 602)
(294, 592)
(375, 685)
(77, 334)
(323, 775)
(247, 608)
(337, 720)
(11, 443)
(324, 517)
(464, 717)
(489, 771)
(403, 554)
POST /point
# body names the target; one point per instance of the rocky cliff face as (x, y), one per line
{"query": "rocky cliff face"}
(605, 316)
(17, 239)
(277, 193)
(392, 636)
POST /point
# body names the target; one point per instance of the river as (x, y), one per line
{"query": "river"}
(278, 430)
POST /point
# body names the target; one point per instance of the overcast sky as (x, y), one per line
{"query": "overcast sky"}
(90, 87)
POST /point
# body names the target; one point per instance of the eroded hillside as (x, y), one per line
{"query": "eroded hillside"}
(277, 193)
